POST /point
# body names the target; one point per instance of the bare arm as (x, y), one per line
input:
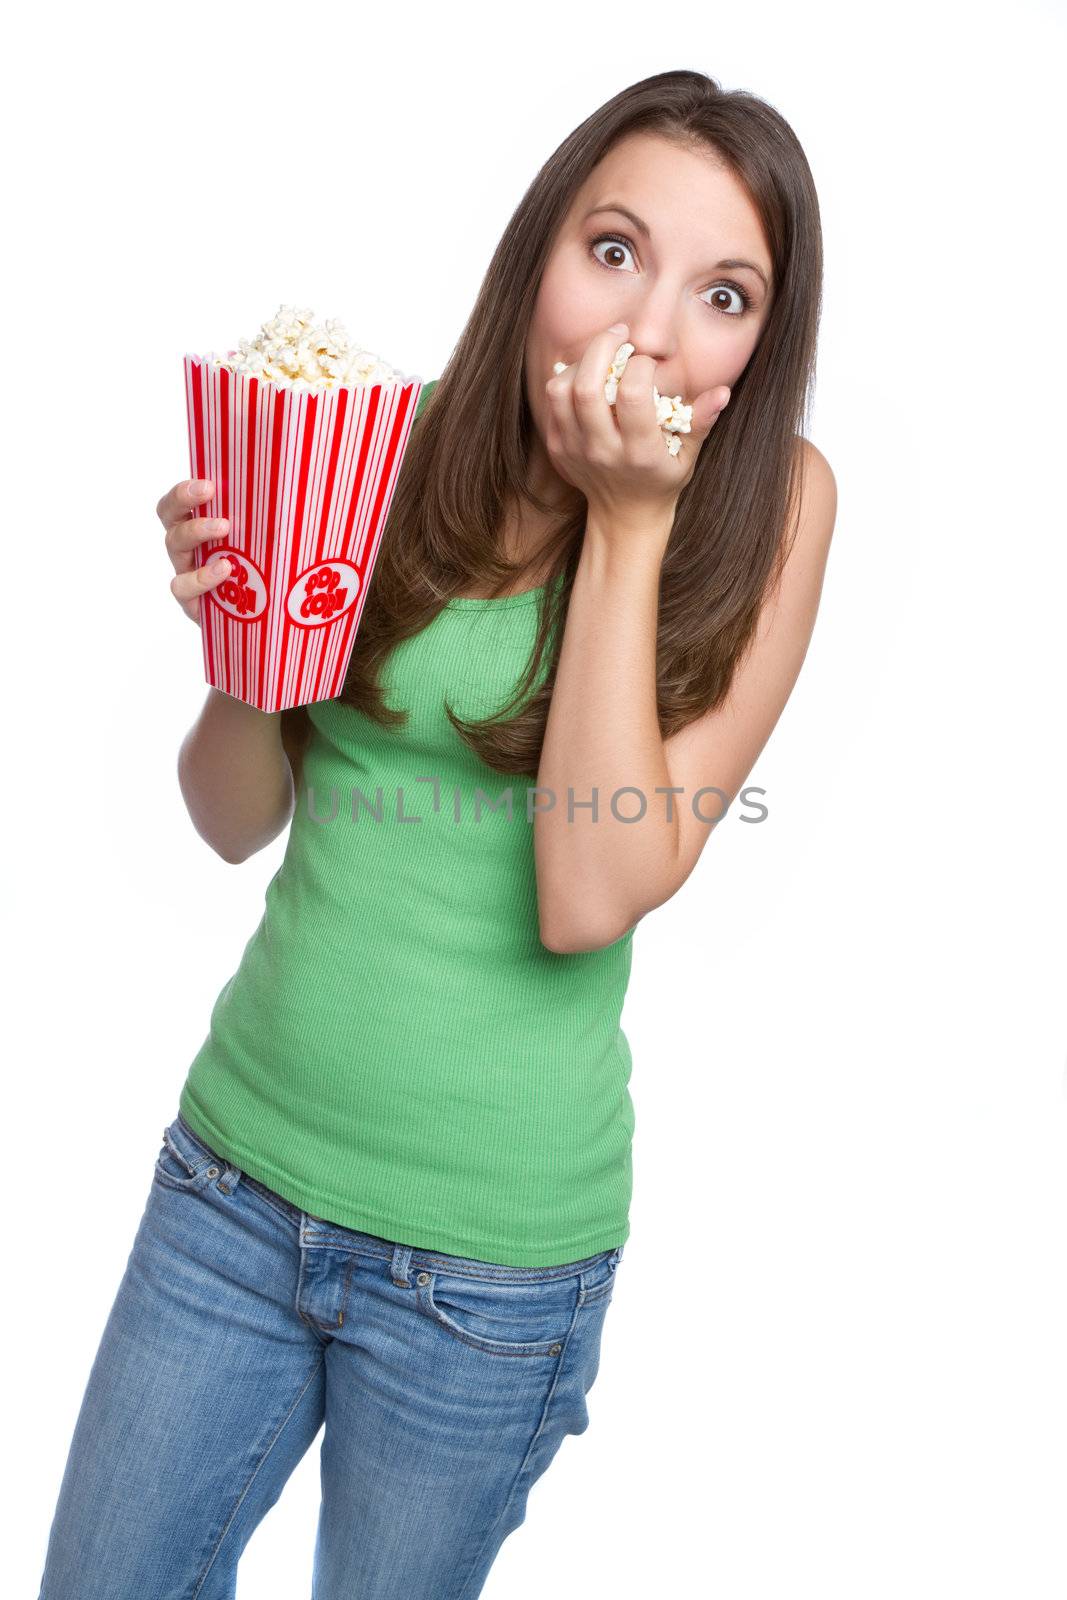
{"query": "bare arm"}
(238, 767)
(235, 776)
(602, 735)
(597, 879)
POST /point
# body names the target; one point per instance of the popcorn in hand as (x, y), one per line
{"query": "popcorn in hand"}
(672, 416)
(295, 352)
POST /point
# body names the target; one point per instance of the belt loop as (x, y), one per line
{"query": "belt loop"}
(399, 1266)
(231, 1177)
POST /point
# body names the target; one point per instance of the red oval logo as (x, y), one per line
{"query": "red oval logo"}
(323, 593)
(243, 592)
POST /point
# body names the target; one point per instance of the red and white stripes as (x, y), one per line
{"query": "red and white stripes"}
(306, 480)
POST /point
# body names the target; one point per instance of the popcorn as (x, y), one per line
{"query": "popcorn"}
(302, 435)
(295, 352)
(672, 416)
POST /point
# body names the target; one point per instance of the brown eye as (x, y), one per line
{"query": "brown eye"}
(618, 246)
(725, 290)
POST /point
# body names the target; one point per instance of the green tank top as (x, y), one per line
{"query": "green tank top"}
(397, 1051)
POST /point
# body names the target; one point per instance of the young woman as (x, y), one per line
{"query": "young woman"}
(397, 1190)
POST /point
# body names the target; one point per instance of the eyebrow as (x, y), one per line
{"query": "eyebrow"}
(642, 227)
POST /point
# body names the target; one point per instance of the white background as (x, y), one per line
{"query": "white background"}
(835, 1363)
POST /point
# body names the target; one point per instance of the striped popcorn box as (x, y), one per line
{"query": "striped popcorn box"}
(306, 480)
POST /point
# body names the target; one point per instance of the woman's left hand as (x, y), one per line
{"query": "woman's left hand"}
(617, 455)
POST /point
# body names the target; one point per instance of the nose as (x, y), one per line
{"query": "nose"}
(651, 333)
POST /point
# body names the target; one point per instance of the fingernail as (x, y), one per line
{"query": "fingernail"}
(618, 327)
(723, 403)
(200, 487)
(223, 524)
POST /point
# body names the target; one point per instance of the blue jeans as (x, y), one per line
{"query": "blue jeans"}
(241, 1325)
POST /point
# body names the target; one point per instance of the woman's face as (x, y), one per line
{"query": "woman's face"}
(696, 316)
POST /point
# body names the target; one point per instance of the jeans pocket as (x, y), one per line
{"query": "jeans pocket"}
(598, 1283)
(184, 1161)
(500, 1317)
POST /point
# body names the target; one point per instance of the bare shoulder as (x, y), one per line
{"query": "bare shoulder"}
(818, 504)
(810, 530)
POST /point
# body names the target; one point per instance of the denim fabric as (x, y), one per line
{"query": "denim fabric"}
(241, 1326)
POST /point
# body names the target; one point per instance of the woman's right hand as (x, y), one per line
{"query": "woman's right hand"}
(184, 533)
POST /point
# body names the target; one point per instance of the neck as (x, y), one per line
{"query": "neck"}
(525, 524)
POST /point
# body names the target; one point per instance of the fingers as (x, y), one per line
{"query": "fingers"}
(635, 402)
(580, 412)
(562, 436)
(186, 535)
(180, 501)
(708, 407)
(187, 586)
(595, 416)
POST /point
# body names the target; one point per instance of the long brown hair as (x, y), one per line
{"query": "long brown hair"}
(468, 452)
